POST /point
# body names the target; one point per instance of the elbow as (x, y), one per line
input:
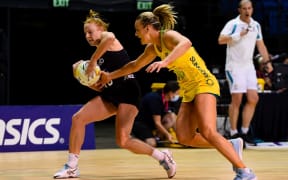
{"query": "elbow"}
(188, 44)
(220, 41)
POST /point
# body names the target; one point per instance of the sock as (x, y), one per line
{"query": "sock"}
(73, 160)
(158, 155)
(244, 130)
(233, 132)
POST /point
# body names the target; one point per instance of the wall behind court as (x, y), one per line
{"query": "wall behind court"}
(40, 44)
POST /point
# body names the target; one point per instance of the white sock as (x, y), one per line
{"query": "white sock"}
(158, 155)
(244, 130)
(73, 160)
(233, 132)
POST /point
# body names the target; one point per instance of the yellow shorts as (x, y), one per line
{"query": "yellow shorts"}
(190, 90)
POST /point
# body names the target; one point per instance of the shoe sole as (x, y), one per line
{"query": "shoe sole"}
(253, 178)
(70, 177)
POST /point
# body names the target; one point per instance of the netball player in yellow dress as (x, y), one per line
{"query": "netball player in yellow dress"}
(196, 120)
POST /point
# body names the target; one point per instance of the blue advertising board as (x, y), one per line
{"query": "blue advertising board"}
(39, 128)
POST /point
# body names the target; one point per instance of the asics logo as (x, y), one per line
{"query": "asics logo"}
(20, 131)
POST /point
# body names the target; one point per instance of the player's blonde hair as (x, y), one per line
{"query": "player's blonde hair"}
(94, 17)
(162, 17)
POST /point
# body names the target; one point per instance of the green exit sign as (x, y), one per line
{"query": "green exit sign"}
(144, 4)
(60, 3)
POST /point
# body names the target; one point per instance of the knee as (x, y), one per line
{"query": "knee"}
(76, 120)
(253, 100)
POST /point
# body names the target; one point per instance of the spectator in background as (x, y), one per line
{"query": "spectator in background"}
(241, 34)
(284, 72)
(267, 72)
(284, 90)
(285, 61)
(155, 118)
(264, 71)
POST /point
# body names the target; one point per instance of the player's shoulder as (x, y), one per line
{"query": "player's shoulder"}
(255, 22)
(107, 33)
(233, 21)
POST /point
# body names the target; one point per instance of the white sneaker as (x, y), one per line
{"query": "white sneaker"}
(238, 147)
(245, 174)
(168, 163)
(67, 172)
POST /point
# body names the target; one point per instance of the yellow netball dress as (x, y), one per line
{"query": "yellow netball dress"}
(192, 74)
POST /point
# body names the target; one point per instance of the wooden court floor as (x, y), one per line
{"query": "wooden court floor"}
(119, 164)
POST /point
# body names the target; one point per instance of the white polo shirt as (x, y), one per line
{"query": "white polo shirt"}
(240, 52)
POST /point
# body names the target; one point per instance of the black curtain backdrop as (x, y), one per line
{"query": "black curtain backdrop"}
(40, 43)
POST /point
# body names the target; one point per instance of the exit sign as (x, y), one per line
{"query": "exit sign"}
(60, 3)
(144, 4)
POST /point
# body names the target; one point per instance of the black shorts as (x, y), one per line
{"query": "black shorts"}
(126, 90)
(142, 131)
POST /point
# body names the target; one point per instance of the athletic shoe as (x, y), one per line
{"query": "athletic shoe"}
(235, 136)
(245, 174)
(238, 147)
(168, 164)
(67, 172)
(248, 140)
